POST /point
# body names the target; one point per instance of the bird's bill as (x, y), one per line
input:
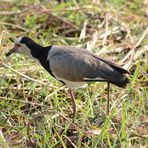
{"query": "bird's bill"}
(13, 50)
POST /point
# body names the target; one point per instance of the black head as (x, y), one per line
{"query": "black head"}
(24, 45)
(25, 40)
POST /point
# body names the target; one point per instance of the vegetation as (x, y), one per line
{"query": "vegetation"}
(35, 109)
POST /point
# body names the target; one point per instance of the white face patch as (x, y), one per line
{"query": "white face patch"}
(22, 48)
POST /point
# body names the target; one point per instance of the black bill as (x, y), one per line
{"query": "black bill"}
(10, 52)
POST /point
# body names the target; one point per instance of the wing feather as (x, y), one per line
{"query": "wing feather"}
(83, 66)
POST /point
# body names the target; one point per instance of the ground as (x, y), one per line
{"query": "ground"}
(35, 109)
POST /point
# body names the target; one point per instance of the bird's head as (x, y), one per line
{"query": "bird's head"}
(22, 45)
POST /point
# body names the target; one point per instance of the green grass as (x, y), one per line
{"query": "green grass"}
(35, 109)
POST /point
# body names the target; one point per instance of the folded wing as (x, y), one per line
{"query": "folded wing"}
(84, 66)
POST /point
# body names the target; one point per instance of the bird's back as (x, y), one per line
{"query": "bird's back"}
(78, 65)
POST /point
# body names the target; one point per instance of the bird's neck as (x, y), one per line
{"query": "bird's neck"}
(37, 51)
(41, 53)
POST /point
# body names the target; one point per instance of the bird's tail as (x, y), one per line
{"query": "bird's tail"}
(122, 83)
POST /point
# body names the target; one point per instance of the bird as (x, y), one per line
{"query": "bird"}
(72, 66)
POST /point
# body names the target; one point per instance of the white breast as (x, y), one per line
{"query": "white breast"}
(71, 84)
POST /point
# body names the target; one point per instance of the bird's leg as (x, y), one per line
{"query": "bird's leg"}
(108, 97)
(73, 102)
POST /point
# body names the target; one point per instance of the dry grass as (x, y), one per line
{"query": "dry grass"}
(36, 109)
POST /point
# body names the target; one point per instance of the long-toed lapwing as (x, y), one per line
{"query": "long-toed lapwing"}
(71, 65)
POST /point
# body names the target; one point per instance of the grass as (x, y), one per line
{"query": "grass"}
(35, 109)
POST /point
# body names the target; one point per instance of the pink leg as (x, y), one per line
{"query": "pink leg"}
(108, 98)
(73, 102)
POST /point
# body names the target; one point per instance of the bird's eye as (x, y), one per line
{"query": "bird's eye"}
(17, 45)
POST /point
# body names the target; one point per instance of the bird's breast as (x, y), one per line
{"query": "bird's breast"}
(72, 84)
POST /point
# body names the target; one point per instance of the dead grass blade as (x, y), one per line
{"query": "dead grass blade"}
(132, 52)
(27, 77)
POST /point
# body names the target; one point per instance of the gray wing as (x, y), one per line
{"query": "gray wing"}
(83, 66)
